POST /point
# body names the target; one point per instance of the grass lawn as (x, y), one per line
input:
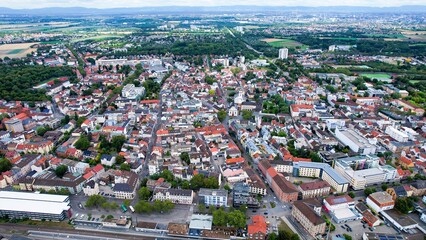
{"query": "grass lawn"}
(376, 75)
(284, 43)
(63, 224)
(284, 227)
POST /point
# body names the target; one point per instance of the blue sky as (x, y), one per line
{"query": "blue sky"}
(144, 3)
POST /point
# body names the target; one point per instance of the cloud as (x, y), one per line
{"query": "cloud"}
(148, 3)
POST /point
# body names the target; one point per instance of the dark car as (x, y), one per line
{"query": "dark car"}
(343, 227)
(265, 213)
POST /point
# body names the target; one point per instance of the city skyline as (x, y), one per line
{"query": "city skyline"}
(28, 4)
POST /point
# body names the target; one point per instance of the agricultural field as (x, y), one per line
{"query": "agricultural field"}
(284, 43)
(415, 35)
(16, 50)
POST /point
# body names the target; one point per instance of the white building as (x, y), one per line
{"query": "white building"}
(178, 196)
(91, 188)
(131, 92)
(283, 53)
(341, 208)
(380, 201)
(37, 206)
(362, 171)
(355, 141)
(396, 134)
(213, 197)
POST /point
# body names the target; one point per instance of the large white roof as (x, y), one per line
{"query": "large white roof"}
(34, 196)
(33, 202)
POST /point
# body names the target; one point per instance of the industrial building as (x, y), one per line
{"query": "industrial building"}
(35, 206)
(355, 141)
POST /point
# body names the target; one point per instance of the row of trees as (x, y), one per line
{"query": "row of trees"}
(156, 206)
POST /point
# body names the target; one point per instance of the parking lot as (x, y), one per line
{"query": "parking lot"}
(358, 229)
(181, 213)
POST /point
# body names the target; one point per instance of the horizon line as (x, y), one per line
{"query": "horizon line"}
(209, 6)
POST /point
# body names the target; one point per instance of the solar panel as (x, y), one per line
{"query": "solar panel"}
(340, 200)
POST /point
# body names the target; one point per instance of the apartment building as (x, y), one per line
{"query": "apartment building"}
(308, 213)
(322, 171)
(213, 197)
(314, 189)
(178, 196)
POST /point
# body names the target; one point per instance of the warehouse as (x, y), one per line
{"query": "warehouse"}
(34, 206)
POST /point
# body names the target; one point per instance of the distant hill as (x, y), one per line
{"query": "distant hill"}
(57, 11)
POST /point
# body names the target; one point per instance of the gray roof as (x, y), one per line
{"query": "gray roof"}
(209, 192)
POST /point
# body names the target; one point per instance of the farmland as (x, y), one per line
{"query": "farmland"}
(16, 50)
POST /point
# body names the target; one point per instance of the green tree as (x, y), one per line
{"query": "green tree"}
(351, 194)
(95, 201)
(5, 165)
(201, 208)
(119, 159)
(125, 167)
(144, 193)
(143, 207)
(227, 188)
(185, 158)
(61, 170)
(247, 115)
(185, 184)
(82, 143)
(369, 191)
(221, 115)
(384, 186)
(197, 182)
(347, 237)
(117, 142)
(163, 206)
(404, 205)
(237, 219)
(219, 217)
(42, 130)
(126, 202)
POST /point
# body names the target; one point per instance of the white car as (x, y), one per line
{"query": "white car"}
(82, 216)
(76, 216)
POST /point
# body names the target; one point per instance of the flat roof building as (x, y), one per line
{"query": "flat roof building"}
(323, 171)
(34, 206)
(380, 201)
(355, 141)
(199, 223)
(362, 171)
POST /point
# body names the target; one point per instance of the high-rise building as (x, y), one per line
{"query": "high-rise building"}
(283, 53)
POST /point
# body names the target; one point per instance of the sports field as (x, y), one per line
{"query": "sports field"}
(284, 43)
(376, 75)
